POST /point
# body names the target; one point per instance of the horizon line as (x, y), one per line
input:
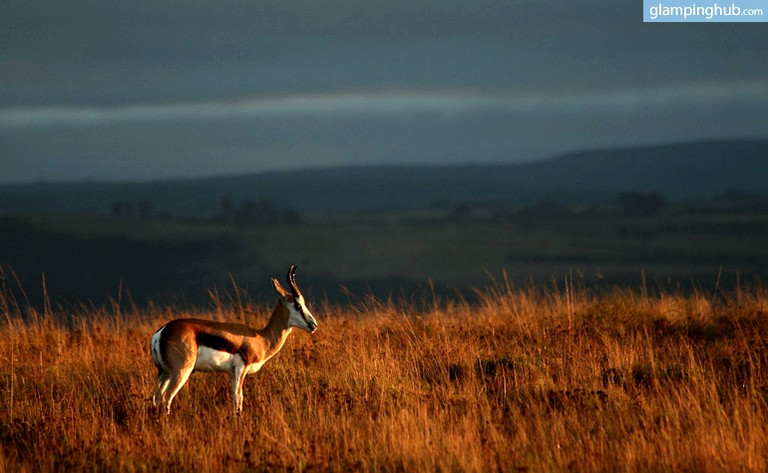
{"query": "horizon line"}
(424, 164)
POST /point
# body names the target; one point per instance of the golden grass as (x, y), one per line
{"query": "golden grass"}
(519, 380)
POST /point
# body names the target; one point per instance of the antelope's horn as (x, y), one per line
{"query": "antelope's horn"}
(292, 281)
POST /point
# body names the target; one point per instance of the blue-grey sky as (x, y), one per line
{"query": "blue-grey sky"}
(107, 89)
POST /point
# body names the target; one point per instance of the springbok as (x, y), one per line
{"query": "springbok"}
(185, 345)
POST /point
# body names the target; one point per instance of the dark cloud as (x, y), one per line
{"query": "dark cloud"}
(101, 67)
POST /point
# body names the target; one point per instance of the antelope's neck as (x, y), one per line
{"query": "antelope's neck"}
(276, 332)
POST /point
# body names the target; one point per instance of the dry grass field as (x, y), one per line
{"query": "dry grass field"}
(518, 380)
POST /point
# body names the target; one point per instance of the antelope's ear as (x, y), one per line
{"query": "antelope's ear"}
(278, 288)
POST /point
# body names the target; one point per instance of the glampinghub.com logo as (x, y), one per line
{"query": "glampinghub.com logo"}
(677, 11)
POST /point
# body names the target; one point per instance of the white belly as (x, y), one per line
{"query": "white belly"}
(209, 359)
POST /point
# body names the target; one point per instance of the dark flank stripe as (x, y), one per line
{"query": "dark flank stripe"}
(215, 342)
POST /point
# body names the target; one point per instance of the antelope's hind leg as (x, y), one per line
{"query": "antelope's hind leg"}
(161, 387)
(173, 386)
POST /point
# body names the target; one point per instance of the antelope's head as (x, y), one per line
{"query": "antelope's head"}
(293, 302)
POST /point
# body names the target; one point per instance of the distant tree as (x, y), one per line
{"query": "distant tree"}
(292, 217)
(246, 214)
(461, 213)
(261, 212)
(122, 209)
(227, 209)
(265, 211)
(145, 209)
(127, 209)
(642, 204)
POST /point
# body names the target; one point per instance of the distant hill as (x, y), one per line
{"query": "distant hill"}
(679, 171)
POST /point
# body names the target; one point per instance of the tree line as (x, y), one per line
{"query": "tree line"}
(262, 212)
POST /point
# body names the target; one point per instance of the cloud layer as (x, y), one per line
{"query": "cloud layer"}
(392, 104)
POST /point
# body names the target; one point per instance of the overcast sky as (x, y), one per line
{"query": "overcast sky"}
(159, 89)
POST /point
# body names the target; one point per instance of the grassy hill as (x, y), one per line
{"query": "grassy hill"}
(520, 380)
(681, 171)
(678, 171)
(93, 258)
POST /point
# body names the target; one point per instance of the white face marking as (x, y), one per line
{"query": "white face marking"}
(306, 321)
(209, 359)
